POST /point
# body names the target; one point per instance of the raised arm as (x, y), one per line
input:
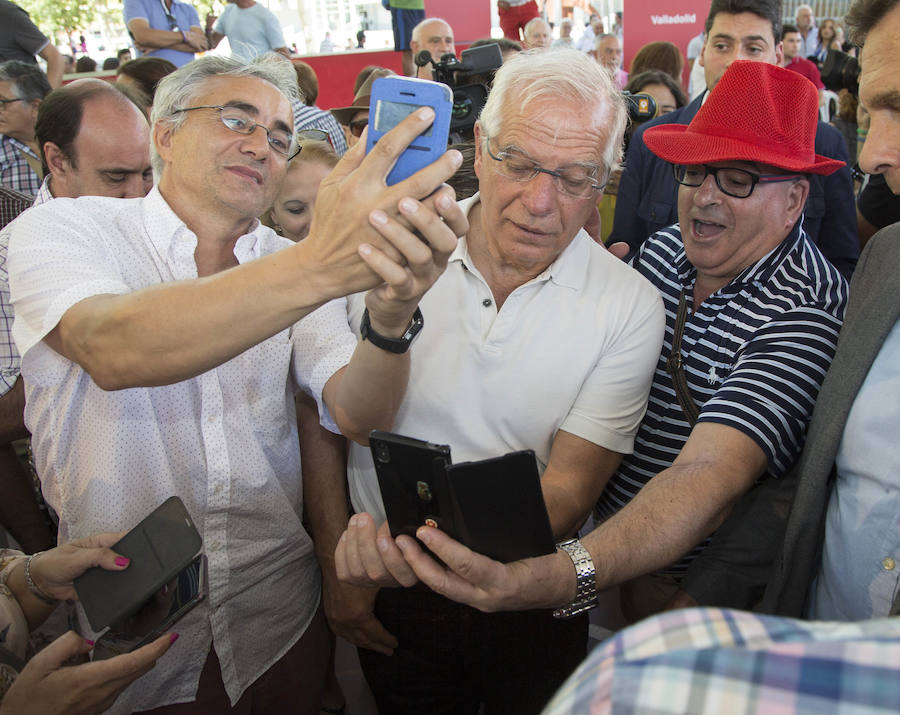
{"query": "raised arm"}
(167, 333)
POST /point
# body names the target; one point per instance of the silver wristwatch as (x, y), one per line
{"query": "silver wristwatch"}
(586, 582)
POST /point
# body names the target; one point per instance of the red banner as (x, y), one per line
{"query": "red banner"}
(675, 21)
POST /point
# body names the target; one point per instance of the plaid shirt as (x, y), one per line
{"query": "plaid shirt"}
(306, 117)
(12, 203)
(10, 360)
(710, 660)
(15, 173)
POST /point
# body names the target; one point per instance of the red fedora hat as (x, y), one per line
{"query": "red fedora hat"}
(757, 112)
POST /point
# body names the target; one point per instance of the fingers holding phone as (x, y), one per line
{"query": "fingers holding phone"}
(46, 685)
(366, 556)
(53, 571)
(359, 203)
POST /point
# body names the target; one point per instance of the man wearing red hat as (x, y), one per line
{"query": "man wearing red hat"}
(647, 198)
(753, 311)
(837, 557)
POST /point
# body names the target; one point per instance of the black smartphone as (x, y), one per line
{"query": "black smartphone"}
(501, 507)
(413, 482)
(157, 615)
(162, 546)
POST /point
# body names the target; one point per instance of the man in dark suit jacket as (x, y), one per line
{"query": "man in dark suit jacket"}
(735, 569)
(647, 195)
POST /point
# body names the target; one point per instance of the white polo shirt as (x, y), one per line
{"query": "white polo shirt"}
(572, 349)
(224, 441)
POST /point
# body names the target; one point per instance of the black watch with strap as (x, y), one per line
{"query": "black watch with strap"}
(392, 345)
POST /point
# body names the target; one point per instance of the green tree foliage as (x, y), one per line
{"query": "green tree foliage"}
(55, 16)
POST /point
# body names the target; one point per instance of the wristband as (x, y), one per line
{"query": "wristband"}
(391, 345)
(33, 587)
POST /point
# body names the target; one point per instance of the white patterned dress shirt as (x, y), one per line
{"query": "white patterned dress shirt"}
(224, 441)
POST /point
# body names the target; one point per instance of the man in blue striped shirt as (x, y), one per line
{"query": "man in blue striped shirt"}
(763, 311)
(756, 309)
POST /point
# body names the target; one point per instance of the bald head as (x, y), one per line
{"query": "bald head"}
(94, 141)
(436, 36)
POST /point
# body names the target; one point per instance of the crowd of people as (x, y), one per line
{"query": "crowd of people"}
(204, 279)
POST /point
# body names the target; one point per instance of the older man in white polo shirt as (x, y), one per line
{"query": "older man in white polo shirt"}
(543, 341)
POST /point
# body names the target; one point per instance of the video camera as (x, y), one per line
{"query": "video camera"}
(641, 106)
(840, 71)
(468, 96)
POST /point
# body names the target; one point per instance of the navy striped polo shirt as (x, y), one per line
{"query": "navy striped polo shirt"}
(755, 354)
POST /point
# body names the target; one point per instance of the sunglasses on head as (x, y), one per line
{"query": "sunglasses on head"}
(316, 135)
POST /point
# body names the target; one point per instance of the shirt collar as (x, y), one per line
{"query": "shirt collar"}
(758, 273)
(174, 240)
(568, 270)
(20, 145)
(44, 194)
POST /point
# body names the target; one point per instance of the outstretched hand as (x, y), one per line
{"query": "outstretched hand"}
(48, 687)
(365, 229)
(367, 557)
(485, 584)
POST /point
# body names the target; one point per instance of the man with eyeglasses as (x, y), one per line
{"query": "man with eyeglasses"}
(23, 87)
(163, 339)
(647, 197)
(165, 28)
(753, 312)
(544, 341)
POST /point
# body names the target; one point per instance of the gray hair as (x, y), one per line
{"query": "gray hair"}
(532, 22)
(600, 38)
(29, 82)
(565, 74)
(181, 88)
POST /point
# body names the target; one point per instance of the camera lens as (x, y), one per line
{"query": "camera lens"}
(382, 453)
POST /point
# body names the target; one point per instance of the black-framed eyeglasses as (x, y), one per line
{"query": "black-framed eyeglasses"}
(237, 120)
(357, 126)
(4, 102)
(738, 183)
(578, 181)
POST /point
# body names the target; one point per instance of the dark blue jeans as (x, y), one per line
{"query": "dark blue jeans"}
(453, 658)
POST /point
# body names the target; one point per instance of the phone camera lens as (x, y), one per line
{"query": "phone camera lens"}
(382, 453)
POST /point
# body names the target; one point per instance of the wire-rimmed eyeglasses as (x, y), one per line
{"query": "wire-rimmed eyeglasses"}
(237, 120)
(576, 180)
(732, 181)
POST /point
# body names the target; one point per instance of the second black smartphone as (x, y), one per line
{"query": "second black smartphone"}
(413, 481)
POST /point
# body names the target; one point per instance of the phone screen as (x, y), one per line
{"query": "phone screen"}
(389, 114)
(158, 614)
